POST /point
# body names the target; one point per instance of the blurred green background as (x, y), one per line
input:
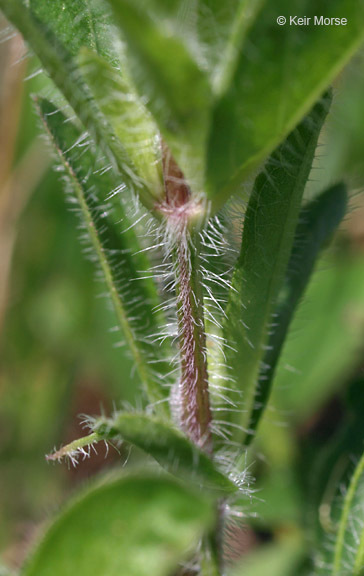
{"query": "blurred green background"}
(60, 357)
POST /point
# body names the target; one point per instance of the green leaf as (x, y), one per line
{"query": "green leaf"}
(133, 298)
(312, 366)
(349, 544)
(128, 117)
(211, 31)
(132, 526)
(77, 24)
(175, 87)
(268, 236)
(166, 444)
(317, 223)
(281, 73)
(63, 70)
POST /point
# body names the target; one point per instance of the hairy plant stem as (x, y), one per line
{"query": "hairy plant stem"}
(195, 411)
(195, 408)
(194, 403)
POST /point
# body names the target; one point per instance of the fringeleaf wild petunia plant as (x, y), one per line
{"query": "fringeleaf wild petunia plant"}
(186, 133)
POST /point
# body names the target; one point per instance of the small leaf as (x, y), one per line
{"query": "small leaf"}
(128, 117)
(281, 73)
(170, 447)
(132, 526)
(317, 223)
(166, 444)
(268, 235)
(133, 297)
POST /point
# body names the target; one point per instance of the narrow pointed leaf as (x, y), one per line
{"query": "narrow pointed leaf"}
(317, 223)
(281, 72)
(268, 235)
(128, 117)
(131, 526)
(133, 298)
(168, 446)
